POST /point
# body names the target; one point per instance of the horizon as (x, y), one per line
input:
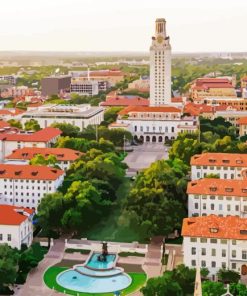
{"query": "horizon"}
(69, 26)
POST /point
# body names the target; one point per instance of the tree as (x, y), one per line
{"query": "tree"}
(212, 288)
(228, 276)
(154, 204)
(8, 267)
(67, 129)
(50, 213)
(32, 125)
(39, 159)
(110, 115)
(238, 289)
(15, 123)
(162, 286)
(116, 135)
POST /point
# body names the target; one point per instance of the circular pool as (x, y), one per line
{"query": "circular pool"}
(73, 280)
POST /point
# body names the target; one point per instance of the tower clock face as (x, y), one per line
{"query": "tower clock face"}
(160, 39)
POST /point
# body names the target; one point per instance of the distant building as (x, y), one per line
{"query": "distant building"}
(64, 156)
(141, 85)
(216, 196)
(215, 242)
(26, 185)
(84, 87)
(156, 124)
(212, 87)
(54, 85)
(225, 165)
(16, 228)
(10, 79)
(111, 76)
(242, 123)
(160, 66)
(78, 115)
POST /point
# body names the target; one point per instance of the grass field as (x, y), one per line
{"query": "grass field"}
(138, 280)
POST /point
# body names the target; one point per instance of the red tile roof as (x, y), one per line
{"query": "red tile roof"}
(197, 109)
(62, 154)
(219, 159)
(206, 83)
(122, 101)
(44, 135)
(210, 186)
(29, 172)
(4, 124)
(242, 121)
(11, 215)
(230, 227)
(165, 109)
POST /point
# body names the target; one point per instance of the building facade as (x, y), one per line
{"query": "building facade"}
(156, 124)
(217, 196)
(54, 85)
(225, 165)
(215, 242)
(78, 115)
(84, 87)
(44, 138)
(160, 66)
(16, 228)
(25, 185)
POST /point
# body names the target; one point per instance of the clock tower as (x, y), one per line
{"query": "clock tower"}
(160, 66)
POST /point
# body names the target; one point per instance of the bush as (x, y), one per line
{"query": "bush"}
(83, 252)
(127, 254)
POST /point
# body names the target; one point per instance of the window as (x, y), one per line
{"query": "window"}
(228, 207)
(244, 254)
(193, 262)
(236, 208)
(193, 251)
(234, 265)
(9, 237)
(234, 253)
(223, 265)
(196, 205)
(212, 207)
(213, 264)
(220, 207)
(203, 263)
(203, 251)
(204, 206)
(213, 241)
(1, 237)
(193, 240)
(213, 252)
(223, 253)
(223, 241)
(234, 242)
(203, 240)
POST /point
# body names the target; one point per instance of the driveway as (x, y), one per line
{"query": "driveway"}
(143, 155)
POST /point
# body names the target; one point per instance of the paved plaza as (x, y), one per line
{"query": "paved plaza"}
(143, 155)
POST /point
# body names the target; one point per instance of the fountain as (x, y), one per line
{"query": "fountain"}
(103, 255)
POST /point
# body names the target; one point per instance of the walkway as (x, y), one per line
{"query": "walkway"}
(34, 284)
(153, 265)
(175, 256)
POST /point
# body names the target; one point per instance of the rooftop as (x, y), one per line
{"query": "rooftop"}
(44, 135)
(125, 101)
(220, 159)
(62, 154)
(143, 109)
(11, 215)
(29, 172)
(210, 186)
(230, 227)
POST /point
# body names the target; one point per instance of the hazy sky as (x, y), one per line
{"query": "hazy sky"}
(122, 25)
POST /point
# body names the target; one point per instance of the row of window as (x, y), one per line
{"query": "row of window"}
(219, 197)
(213, 264)
(22, 200)
(8, 237)
(214, 253)
(218, 168)
(154, 129)
(212, 207)
(211, 240)
(27, 181)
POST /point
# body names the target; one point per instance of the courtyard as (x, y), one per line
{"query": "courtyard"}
(144, 155)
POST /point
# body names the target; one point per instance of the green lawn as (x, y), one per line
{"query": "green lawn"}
(138, 280)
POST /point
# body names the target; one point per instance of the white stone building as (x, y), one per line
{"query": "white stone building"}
(217, 196)
(155, 124)
(16, 226)
(215, 242)
(225, 165)
(84, 87)
(65, 156)
(44, 138)
(78, 115)
(160, 66)
(25, 185)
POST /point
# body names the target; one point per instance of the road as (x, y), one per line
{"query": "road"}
(143, 155)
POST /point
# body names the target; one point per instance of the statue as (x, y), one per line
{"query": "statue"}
(103, 255)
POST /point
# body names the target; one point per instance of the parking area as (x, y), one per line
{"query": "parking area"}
(143, 155)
